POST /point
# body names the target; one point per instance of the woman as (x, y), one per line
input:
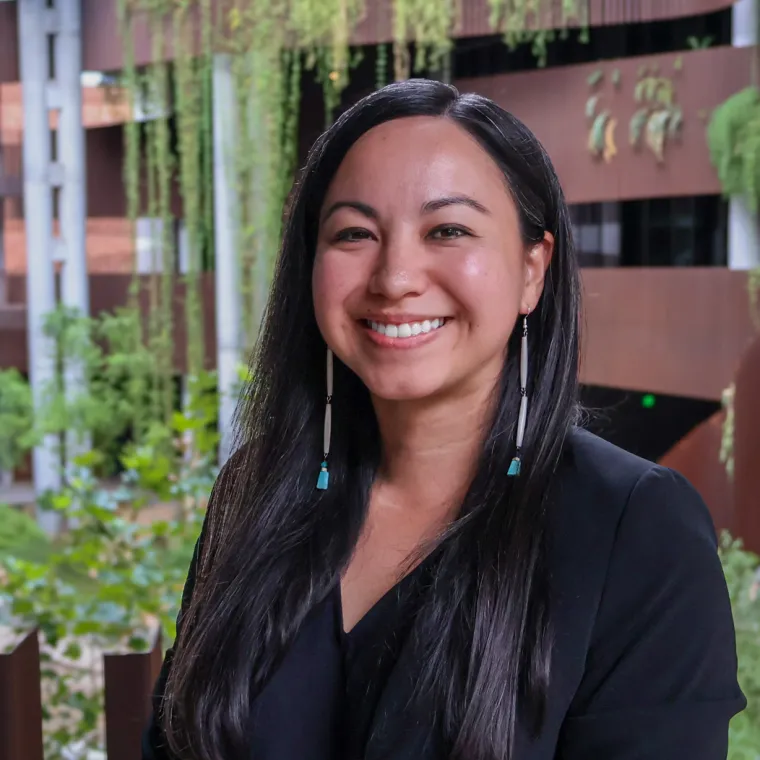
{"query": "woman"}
(467, 575)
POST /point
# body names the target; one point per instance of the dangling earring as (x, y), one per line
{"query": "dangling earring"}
(514, 466)
(324, 476)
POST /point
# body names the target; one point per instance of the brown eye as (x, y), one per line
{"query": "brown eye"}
(448, 232)
(353, 235)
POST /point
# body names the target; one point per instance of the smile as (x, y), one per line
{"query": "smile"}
(406, 329)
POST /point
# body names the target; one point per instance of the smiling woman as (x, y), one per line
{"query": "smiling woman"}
(471, 576)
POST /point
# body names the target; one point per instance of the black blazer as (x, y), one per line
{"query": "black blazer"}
(644, 663)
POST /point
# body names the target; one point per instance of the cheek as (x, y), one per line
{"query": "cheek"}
(489, 286)
(331, 284)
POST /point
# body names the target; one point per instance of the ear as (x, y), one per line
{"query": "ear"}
(537, 260)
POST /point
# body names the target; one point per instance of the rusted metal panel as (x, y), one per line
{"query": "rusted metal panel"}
(129, 681)
(8, 43)
(697, 457)
(102, 42)
(21, 702)
(665, 330)
(552, 103)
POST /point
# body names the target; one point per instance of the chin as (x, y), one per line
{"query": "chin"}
(403, 389)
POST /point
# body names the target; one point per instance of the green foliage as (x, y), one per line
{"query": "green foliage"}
(733, 136)
(15, 418)
(741, 569)
(699, 43)
(431, 26)
(726, 454)
(21, 536)
(519, 22)
(115, 574)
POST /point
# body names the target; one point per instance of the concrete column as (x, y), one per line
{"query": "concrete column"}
(229, 327)
(73, 199)
(38, 213)
(743, 229)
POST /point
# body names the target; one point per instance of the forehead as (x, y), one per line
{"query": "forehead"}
(414, 159)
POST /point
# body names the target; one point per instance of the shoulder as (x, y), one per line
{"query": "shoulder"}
(602, 484)
(633, 557)
(616, 520)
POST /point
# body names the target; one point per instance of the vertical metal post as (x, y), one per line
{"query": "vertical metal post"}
(20, 700)
(73, 204)
(129, 682)
(33, 21)
(743, 228)
(229, 327)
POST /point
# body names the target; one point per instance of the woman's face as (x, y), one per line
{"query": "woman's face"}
(420, 270)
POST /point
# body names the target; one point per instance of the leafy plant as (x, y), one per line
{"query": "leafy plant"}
(110, 579)
(15, 418)
(521, 22)
(699, 43)
(733, 137)
(741, 570)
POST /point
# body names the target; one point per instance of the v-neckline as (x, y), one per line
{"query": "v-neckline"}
(381, 604)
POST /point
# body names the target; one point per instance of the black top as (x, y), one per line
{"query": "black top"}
(321, 701)
(644, 664)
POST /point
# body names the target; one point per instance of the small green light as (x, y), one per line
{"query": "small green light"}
(648, 400)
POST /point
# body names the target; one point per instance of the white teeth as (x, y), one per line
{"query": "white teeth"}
(407, 329)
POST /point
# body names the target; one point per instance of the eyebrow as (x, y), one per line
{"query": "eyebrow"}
(362, 208)
(427, 208)
(454, 200)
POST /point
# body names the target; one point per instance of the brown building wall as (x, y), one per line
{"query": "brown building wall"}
(558, 119)
(665, 330)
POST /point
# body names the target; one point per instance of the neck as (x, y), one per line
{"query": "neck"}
(431, 448)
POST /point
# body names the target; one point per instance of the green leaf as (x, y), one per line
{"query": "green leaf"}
(138, 644)
(73, 651)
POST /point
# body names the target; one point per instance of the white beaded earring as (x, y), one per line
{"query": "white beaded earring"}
(324, 476)
(514, 466)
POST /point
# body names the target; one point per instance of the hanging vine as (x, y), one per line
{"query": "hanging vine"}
(538, 22)
(431, 25)
(191, 102)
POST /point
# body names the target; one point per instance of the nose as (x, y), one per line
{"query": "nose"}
(399, 270)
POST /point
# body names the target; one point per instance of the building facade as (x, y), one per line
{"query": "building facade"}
(665, 256)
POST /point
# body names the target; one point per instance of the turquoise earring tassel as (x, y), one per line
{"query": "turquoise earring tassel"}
(516, 463)
(323, 481)
(324, 477)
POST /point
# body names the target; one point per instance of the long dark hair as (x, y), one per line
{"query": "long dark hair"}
(273, 545)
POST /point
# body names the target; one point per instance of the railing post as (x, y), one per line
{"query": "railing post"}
(21, 702)
(129, 681)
